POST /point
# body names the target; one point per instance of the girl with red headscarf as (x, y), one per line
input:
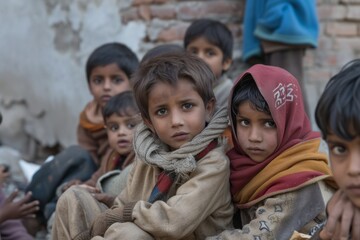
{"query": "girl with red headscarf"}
(279, 177)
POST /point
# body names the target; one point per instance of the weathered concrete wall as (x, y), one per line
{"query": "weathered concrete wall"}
(44, 45)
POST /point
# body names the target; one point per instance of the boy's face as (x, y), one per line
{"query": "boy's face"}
(120, 131)
(177, 113)
(211, 54)
(345, 164)
(256, 132)
(107, 81)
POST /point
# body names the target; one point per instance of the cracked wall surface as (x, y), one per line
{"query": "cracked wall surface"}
(44, 46)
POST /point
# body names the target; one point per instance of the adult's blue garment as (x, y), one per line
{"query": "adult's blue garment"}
(292, 22)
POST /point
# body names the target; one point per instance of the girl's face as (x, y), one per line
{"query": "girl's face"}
(256, 132)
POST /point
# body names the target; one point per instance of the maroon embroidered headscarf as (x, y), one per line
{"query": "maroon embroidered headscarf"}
(282, 93)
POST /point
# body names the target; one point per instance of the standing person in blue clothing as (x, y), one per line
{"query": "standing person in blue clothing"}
(277, 32)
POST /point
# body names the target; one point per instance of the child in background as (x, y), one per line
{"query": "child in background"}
(176, 189)
(338, 117)
(108, 70)
(212, 41)
(121, 115)
(12, 211)
(278, 173)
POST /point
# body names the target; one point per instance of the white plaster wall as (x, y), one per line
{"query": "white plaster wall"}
(43, 47)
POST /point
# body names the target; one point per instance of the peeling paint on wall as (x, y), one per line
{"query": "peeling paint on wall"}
(43, 56)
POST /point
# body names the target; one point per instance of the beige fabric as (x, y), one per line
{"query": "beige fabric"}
(277, 217)
(198, 205)
(126, 231)
(76, 209)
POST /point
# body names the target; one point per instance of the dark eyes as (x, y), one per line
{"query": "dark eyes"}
(100, 80)
(161, 112)
(187, 106)
(270, 124)
(267, 124)
(338, 149)
(243, 122)
(113, 127)
(164, 111)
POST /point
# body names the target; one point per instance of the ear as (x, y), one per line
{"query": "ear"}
(209, 109)
(149, 124)
(226, 64)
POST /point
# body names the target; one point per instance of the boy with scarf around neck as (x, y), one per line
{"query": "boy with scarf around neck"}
(278, 174)
(177, 188)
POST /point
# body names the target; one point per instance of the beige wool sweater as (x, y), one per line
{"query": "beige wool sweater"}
(198, 207)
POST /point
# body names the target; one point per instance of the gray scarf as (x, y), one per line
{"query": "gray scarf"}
(149, 149)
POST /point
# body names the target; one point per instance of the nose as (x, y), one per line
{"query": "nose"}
(354, 163)
(201, 55)
(255, 134)
(121, 131)
(176, 119)
(107, 84)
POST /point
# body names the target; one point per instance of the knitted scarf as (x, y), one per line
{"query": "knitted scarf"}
(296, 140)
(166, 179)
(178, 164)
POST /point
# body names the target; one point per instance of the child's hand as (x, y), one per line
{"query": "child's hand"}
(18, 209)
(342, 214)
(90, 189)
(71, 183)
(107, 199)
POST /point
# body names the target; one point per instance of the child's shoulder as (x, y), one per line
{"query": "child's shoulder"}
(91, 116)
(216, 157)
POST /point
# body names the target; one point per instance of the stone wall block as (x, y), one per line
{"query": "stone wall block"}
(331, 12)
(348, 29)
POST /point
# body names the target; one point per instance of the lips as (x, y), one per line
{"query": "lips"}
(255, 150)
(105, 98)
(123, 143)
(180, 136)
(354, 189)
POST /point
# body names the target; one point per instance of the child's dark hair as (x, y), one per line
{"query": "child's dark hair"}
(161, 49)
(247, 90)
(338, 109)
(110, 53)
(170, 68)
(213, 31)
(122, 104)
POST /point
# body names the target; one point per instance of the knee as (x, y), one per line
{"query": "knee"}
(127, 230)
